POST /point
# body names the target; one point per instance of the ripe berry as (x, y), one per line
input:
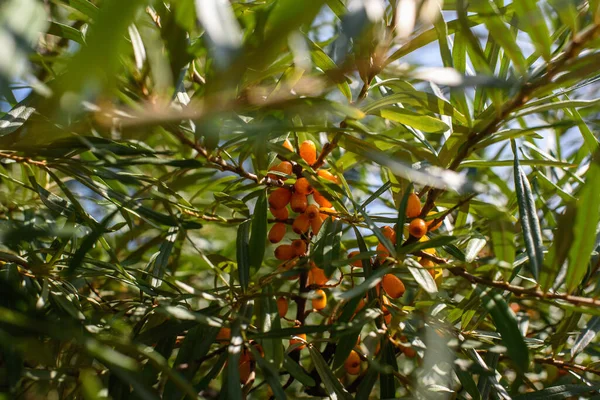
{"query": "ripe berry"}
(301, 224)
(383, 252)
(288, 145)
(389, 233)
(413, 206)
(224, 334)
(417, 228)
(393, 286)
(328, 176)
(319, 302)
(316, 276)
(312, 212)
(316, 224)
(515, 307)
(285, 167)
(320, 200)
(429, 223)
(294, 341)
(282, 306)
(245, 368)
(308, 151)
(298, 202)
(277, 232)
(303, 186)
(279, 198)
(357, 263)
(299, 246)
(280, 214)
(387, 314)
(285, 252)
(352, 363)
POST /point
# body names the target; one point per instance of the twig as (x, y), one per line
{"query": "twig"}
(518, 290)
(224, 166)
(524, 95)
(566, 365)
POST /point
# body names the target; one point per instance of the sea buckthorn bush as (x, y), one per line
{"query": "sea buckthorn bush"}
(369, 199)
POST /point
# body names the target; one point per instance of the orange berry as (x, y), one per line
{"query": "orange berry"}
(279, 198)
(312, 212)
(280, 214)
(360, 305)
(245, 368)
(426, 263)
(285, 252)
(389, 233)
(417, 228)
(277, 232)
(316, 224)
(298, 202)
(308, 151)
(301, 336)
(413, 206)
(393, 286)
(288, 145)
(328, 176)
(301, 224)
(383, 252)
(303, 186)
(515, 307)
(429, 223)
(387, 314)
(316, 276)
(224, 335)
(320, 200)
(282, 306)
(357, 263)
(319, 302)
(285, 167)
(352, 363)
(299, 246)
(408, 351)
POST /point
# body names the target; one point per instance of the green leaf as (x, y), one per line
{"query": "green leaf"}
(502, 235)
(560, 392)
(271, 375)
(85, 7)
(401, 219)
(66, 31)
(587, 335)
(160, 263)
(234, 390)
(506, 324)
(533, 21)
(387, 382)
(297, 372)
(16, 117)
(585, 226)
(404, 116)
(421, 275)
(530, 223)
(259, 232)
(268, 319)
(243, 254)
(332, 384)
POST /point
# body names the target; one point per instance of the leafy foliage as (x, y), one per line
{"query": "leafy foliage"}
(446, 154)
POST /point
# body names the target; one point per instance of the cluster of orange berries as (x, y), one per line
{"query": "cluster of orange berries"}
(310, 215)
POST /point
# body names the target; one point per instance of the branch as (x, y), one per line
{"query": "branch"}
(224, 166)
(524, 95)
(567, 366)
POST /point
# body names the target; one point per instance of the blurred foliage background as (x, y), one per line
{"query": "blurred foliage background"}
(135, 140)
